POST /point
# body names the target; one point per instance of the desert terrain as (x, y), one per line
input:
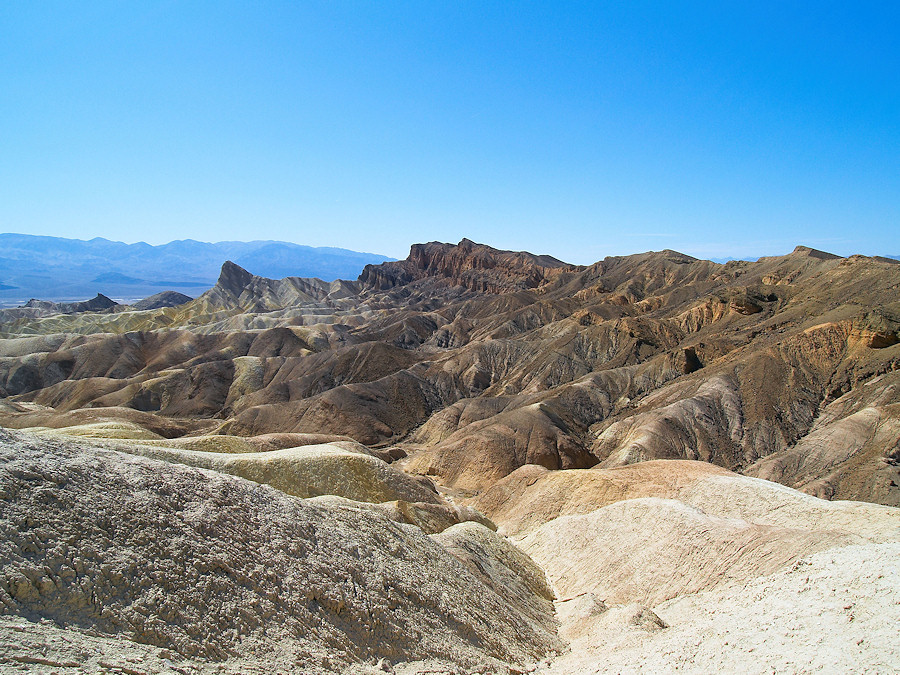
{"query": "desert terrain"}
(467, 461)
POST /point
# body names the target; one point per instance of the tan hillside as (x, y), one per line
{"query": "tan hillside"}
(471, 460)
(221, 569)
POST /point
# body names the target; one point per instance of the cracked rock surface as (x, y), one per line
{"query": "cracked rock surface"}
(143, 559)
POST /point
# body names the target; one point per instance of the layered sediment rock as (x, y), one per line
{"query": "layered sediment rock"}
(479, 361)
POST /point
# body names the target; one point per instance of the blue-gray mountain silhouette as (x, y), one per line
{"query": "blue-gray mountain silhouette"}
(54, 268)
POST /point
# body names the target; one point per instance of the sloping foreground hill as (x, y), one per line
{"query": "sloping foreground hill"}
(714, 573)
(117, 562)
(476, 362)
(833, 612)
(143, 566)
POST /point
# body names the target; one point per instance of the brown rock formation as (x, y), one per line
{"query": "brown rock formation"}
(478, 361)
(473, 266)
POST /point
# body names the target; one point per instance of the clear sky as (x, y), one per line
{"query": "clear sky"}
(575, 129)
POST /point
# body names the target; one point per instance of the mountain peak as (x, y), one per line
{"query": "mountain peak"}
(238, 288)
(813, 253)
(98, 303)
(233, 278)
(475, 266)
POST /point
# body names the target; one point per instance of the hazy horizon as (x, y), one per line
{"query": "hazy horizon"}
(721, 259)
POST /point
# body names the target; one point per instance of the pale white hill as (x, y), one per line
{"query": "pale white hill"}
(834, 612)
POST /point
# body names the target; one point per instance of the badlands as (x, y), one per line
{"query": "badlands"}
(468, 461)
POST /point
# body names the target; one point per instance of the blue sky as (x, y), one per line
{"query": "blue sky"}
(575, 129)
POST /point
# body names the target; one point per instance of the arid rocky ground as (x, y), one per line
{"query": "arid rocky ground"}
(689, 466)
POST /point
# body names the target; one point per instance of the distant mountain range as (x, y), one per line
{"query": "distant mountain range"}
(54, 268)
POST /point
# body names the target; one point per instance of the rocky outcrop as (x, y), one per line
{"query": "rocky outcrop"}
(160, 300)
(96, 304)
(473, 266)
(111, 561)
(231, 574)
(237, 288)
(36, 309)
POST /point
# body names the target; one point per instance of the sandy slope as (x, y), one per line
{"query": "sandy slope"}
(650, 550)
(121, 562)
(834, 612)
(742, 575)
(532, 496)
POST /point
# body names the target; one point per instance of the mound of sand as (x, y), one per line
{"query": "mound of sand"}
(111, 430)
(532, 496)
(650, 550)
(308, 471)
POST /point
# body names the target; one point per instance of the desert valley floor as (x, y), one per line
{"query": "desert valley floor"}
(468, 461)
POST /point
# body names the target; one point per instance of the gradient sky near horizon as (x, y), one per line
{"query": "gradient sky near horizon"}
(576, 129)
